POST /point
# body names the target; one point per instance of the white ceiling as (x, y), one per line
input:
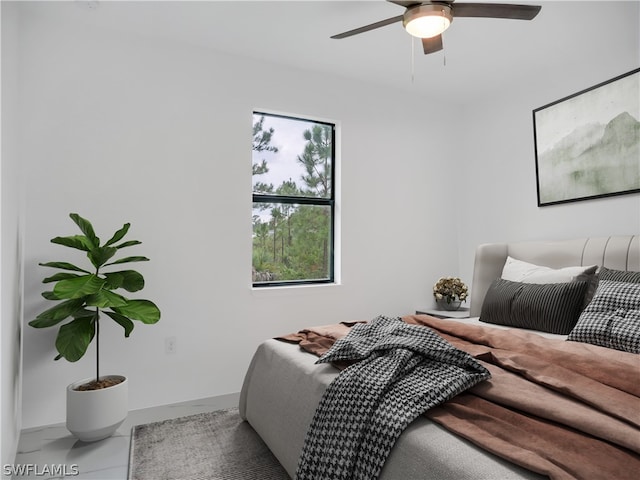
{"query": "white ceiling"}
(481, 55)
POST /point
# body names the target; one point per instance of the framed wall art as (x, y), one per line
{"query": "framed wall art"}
(587, 145)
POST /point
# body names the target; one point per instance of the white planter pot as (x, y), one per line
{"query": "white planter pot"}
(96, 414)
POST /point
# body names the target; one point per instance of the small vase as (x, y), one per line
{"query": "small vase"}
(451, 305)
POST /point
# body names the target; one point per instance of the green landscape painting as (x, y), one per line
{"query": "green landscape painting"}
(588, 144)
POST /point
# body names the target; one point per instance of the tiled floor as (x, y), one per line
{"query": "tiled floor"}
(53, 448)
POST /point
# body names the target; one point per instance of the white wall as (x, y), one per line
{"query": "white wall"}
(10, 243)
(499, 199)
(119, 129)
(124, 129)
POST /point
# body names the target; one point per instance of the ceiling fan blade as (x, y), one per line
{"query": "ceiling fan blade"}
(405, 4)
(495, 10)
(431, 45)
(373, 26)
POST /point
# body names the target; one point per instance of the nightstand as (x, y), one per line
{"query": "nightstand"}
(462, 312)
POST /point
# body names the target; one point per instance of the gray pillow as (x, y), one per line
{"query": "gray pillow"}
(591, 277)
(552, 307)
(612, 319)
(618, 275)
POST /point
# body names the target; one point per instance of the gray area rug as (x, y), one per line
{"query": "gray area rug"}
(207, 446)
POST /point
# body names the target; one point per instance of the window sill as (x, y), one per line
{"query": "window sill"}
(284, 290)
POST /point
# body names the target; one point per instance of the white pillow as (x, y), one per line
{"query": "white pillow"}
(519, 271)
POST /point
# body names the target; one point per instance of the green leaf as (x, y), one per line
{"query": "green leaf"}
(100, 255)
(56, 314)
(114, 280)
(78, 287)
(118, 235)
(63, 266)
(74, 338)
(106, 299)
(130, 280)
(129, 259)
(143, 310)
(79, 242)
(86, 228)
(84, 313)
(59, 276)
(125, 322)
(49, 295)
(130, 243)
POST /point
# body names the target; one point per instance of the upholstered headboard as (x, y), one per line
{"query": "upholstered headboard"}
(616, 252)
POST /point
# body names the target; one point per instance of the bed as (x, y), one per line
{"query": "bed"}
(284, 385)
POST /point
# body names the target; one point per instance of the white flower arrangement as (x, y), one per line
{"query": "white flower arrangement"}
(450, 289)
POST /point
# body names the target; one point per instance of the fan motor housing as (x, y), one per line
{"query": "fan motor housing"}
(431, 12)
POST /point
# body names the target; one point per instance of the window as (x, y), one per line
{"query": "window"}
(293, 200)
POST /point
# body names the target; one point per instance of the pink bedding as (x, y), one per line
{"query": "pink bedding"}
(562, 409)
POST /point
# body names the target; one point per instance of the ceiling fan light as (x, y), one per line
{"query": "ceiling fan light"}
(426, 21)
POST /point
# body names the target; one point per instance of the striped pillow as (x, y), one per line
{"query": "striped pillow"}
(618, 275)
(551, 307)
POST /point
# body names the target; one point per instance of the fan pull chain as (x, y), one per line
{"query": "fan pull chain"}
(413, 56)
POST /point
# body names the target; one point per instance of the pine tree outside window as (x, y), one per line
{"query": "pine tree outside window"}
(293, 200)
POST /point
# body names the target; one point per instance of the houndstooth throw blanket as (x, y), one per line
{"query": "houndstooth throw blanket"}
(403, 371)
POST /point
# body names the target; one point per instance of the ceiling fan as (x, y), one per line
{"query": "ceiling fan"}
(427, 20)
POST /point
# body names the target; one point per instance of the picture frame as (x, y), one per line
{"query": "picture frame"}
(587, 145)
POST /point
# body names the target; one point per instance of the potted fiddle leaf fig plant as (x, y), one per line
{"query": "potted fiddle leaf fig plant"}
(95, 406)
